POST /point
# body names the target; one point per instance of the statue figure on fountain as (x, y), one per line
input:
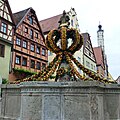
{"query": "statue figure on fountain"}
(64, 20)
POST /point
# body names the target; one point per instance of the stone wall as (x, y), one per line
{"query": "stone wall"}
(10, 102)
(60, 101)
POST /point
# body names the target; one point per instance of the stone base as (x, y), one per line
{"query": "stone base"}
(9, 118)
(61, 101)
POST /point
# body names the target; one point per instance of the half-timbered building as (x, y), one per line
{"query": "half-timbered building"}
(6, 35)
(29, 51)
(89, 59)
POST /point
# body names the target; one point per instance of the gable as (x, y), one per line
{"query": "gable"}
(22, 17)
(5, 11)
(31, 16)
(87, 47)
(27, 24)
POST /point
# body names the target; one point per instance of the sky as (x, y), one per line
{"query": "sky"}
(89, 14)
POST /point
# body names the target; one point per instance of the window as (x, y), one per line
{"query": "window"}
(26, 29)
(91, 66)
(24, 61)
(79, 70)
(87, 64)
(31, 34)
(4, 28)
(18, 60)
(49, 53)
(88, 46)
(79, 59)
(30, 20)
(89, 54)
(2, 50)
(86, 51)
(18, 41)
(32, 47)
(72, 23)
(36, 35)
(95, 68)
(32, 64)
(43, 52)
(38, 65)
(43, 65)
(38, 49)
(24, 44)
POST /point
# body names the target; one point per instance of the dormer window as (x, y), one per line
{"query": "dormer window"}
(31, 20)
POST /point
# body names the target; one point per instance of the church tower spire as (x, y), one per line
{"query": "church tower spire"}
(100, 37)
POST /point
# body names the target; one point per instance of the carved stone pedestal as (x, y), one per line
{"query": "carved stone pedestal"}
(60, 101)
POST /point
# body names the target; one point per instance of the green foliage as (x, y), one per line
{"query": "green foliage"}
(21, 71)
(52, 77)
(4, 81)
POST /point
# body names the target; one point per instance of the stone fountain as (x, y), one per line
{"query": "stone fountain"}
(36, 98)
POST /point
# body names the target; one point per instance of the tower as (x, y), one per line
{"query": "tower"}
(100, 37)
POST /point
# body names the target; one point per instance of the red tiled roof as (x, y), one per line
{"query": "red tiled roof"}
(99, 56)
(50, 23)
